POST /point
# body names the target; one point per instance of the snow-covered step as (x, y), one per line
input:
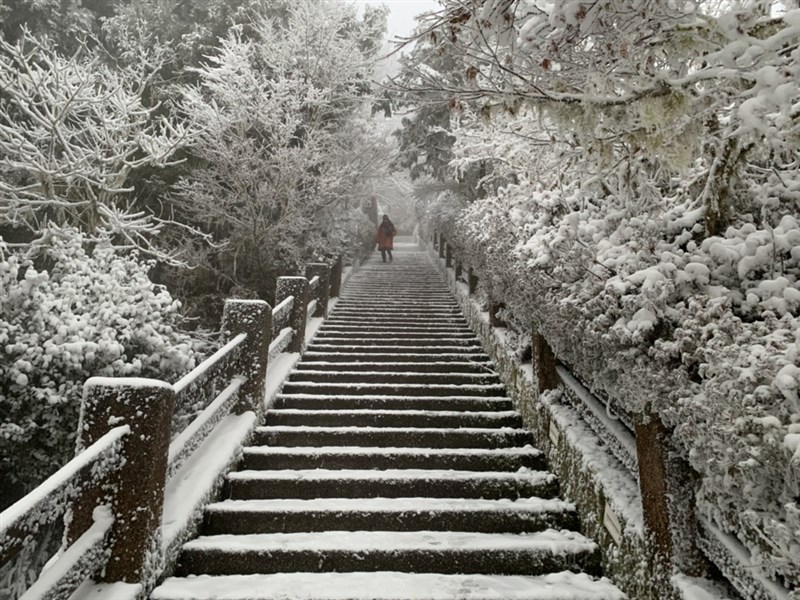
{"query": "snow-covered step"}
(399, 318)
(478, 356)
(393, 418)
(392, 335)
(523, 515)
(395, 367)
(418, 551)
(391, 402)
(439, 347)
(409, 389)
(363, 376)
(400, 437)
(391, 483)
(438, 328)
(371, 457)
(389, 585)
(392, 446)
(353, 341)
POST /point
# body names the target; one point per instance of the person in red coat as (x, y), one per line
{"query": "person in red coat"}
(385, 237)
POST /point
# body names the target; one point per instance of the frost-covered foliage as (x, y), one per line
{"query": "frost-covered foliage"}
(644, 214)
(72, 130)
(68, 313)
(284, 145)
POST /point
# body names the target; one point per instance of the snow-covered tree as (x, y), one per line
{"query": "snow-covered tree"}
(280, 147)
(72, 130)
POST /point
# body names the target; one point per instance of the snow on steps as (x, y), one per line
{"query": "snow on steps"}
(357, 457)
(382, 401)
(409, 389)
(389, 586)
(372, 356)
(392, 446)
(391, 483)
(416, 551)
(364, 376)
(464, 367)
(389, 514)
(431, 437)
(394, 418)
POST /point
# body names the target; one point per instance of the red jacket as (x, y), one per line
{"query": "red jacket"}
(385, 242)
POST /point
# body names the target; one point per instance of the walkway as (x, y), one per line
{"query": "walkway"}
(392, 466)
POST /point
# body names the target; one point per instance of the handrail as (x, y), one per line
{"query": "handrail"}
(204, 371)
(281, 314)
(77, 563)
(624, 447)
(281, 342)
(22, 520)
(311, 309)
(235, 374)
(190, 438)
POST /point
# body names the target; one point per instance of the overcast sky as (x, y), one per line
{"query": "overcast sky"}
(401, 19)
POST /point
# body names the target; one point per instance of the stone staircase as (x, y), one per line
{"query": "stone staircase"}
(392, 465)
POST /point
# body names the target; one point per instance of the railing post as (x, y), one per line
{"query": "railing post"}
(544, 363)
(136, 490)
(473, 281)
(336, 277)
(651, 441)
(449, 256)
(324, 272)
(297, 287)
(253, 317)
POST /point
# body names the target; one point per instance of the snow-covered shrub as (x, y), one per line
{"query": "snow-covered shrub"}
(68, 313)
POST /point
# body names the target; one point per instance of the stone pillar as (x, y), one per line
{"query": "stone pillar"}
(253, 317)
(323, 291)
(336, 277)
(449, 256)
(544, 363)
(442, 246)
(458, 269)
(297, 287)
(651, 444)
(435, 239)
(136, 490)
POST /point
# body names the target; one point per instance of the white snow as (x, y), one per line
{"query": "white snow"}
(189, 488)
(395, 451)
(526, 475)
(383, 585)
(407, 504)
(550, 541)
(697, 588)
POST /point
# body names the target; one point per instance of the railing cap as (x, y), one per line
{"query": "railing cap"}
(127, 382)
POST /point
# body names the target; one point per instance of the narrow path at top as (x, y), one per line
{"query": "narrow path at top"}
(392, 465)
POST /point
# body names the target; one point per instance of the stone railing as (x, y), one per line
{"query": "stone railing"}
(633, 488)
(124, 498)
